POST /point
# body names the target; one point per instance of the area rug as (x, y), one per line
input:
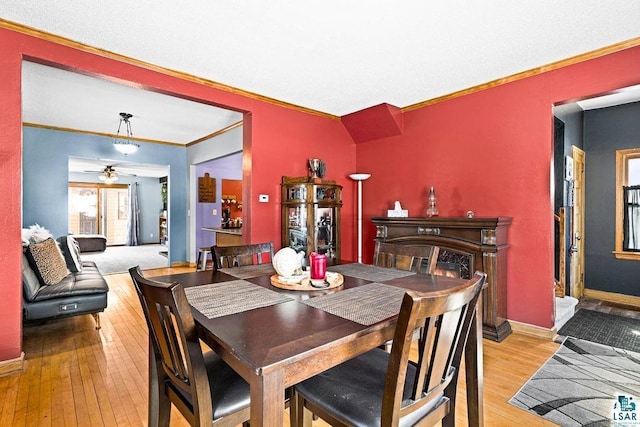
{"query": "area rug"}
(604, 328)
(585, 384)
(118, 259)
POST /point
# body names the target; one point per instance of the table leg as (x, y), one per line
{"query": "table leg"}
(267, 399)
(474, 372)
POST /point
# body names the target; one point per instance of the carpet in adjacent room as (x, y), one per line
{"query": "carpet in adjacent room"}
(118, 259)
(584, 384)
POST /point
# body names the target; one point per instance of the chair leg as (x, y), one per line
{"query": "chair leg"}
(300, 417)
(96, 317)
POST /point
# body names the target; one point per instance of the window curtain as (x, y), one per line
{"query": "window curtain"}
(133, 223)
(631, 218)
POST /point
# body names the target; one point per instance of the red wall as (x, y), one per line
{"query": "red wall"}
(281, 142)
(491, 152)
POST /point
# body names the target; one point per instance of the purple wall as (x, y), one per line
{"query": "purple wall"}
(229, 167)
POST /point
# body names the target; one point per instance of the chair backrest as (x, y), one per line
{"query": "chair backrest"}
(445, 320)
(420, 259)
(238, 256)
(176, 347)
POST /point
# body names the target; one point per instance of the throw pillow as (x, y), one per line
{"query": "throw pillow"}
(35, 234)
(47, 261)
(71, 251)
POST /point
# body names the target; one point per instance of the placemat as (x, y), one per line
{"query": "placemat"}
(365, 305)
(369, 272)
(236, 296)
(250, 271)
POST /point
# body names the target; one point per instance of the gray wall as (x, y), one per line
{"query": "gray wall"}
(605, 131)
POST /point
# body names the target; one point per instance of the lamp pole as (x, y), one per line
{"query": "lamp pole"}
(359, 177)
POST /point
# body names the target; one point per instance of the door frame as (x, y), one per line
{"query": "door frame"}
(577, 223)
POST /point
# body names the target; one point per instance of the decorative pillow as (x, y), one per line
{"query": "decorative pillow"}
(47, 261)
(71, 252)
(35, 234)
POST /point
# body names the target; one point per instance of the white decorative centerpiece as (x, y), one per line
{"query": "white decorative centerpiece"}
(288, 264)
(397, 211)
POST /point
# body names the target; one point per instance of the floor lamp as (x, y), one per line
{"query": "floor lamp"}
(360, 177)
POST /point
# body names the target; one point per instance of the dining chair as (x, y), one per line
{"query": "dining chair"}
(420, 259)
(387, 389)
(242, 255)
(200, 385)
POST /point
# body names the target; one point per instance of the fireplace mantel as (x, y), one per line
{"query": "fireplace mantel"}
(484, 240)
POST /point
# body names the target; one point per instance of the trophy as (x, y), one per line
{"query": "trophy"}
(317, 169)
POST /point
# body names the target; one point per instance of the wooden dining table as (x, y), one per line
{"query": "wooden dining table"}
(288, 340)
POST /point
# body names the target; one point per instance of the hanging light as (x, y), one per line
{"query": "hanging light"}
(109, 175)
(125, 145)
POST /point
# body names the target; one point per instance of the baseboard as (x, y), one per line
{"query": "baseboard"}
(533, 330)
(13, 366)
(182, 264)
(613, 297)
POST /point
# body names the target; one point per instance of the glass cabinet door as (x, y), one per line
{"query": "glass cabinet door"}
(297, 219)
(325, 231)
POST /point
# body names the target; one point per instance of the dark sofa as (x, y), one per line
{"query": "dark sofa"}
(82, 291)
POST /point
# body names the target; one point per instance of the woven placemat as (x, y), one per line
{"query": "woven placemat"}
(369, 272)
(250, 271)
(236, 296)
(365, 305)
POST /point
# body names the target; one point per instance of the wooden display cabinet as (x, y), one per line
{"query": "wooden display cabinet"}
(311, 216)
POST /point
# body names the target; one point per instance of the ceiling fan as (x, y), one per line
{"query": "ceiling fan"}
(108, 175)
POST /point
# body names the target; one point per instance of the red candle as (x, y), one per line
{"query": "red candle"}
(318, 265)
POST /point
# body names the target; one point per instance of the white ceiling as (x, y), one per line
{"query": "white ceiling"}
(55, 97)
(333, 56)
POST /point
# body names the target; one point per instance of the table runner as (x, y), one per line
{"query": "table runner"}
(250, 271)
(369, 272)
(236, 296)
(365, 305)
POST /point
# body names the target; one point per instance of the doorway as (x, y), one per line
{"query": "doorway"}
(99, 209)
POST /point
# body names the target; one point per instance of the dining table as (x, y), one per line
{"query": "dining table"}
(275, 338)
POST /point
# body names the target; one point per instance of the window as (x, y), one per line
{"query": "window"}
(628, 204)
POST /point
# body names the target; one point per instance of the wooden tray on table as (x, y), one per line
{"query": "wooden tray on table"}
(333, 280)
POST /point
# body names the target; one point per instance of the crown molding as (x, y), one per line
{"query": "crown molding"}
(216, 133)
(185, 76)
(34, 32)
(529, 73)
(109, 135)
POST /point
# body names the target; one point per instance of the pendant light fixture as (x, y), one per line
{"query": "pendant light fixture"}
(125, 145)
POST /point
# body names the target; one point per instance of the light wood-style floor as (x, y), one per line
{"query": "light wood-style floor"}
(77, 376)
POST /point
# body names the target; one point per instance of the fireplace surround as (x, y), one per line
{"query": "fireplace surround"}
(466, 245)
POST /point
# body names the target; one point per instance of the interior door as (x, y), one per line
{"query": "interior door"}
(577, 246)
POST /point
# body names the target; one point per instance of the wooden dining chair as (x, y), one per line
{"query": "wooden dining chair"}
(201, 385)
(387, 389)
(242, 255)
(420, 259)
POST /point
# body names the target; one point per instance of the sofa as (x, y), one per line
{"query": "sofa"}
(56, 283)
(91, 242)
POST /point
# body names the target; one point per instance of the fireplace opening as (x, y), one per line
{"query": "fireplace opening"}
(453, 264)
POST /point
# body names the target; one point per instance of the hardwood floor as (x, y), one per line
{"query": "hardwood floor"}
(77, 376)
